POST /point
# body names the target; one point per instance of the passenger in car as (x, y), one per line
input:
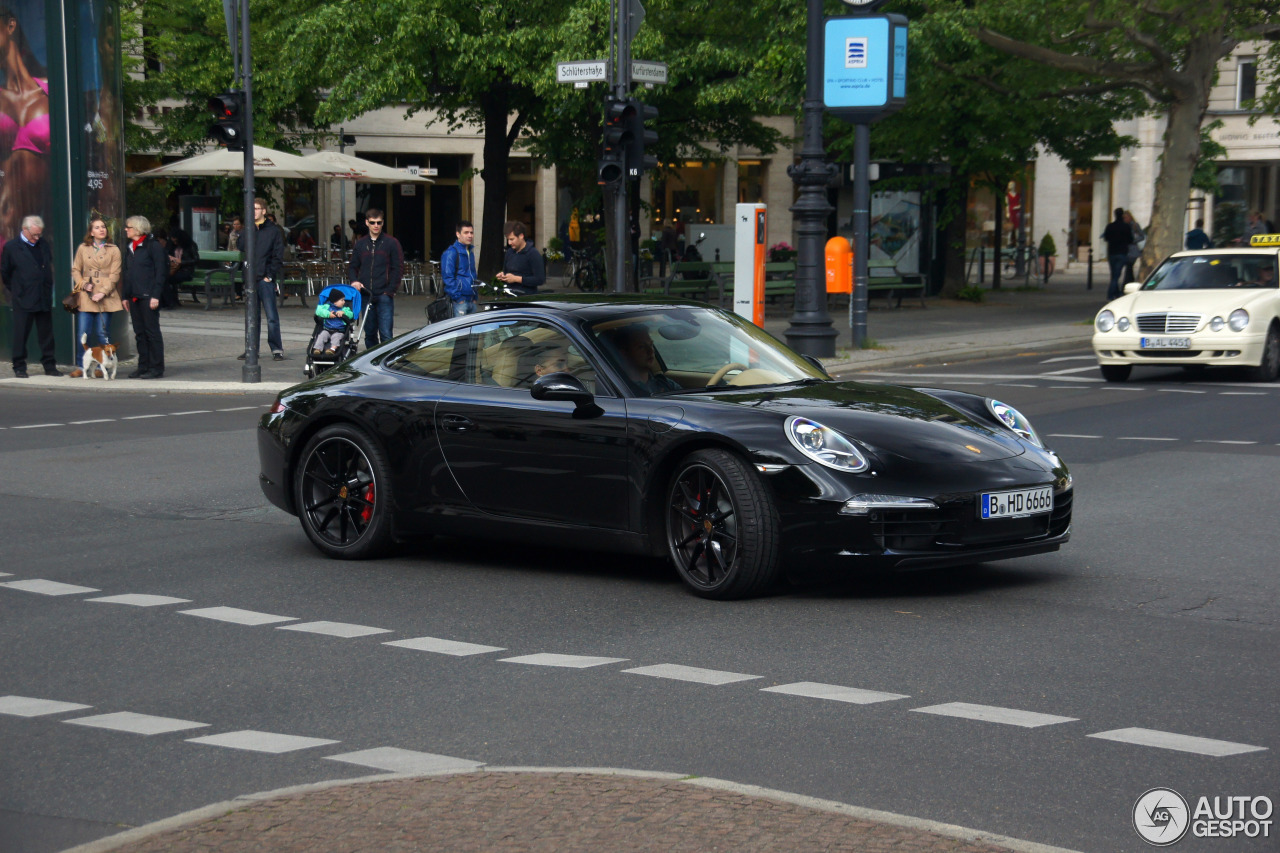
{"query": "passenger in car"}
(540, 360)
(640, 360)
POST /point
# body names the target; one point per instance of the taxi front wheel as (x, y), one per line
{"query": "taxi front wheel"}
(1115, 372)
(1269, 368)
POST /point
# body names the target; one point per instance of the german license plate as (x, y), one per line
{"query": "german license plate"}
(1019, 503)
(1166, 343)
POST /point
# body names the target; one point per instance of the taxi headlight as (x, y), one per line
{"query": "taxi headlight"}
(1122, 325)
(1217, 323)
(1238, 320)
(1106, 321)
(824, 445)
(1015, 421)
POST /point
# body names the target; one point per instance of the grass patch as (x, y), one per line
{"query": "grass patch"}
(971, 293)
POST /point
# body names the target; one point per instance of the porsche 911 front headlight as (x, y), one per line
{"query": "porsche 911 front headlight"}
(1106, 321)
(824, 445)
(1015, 421)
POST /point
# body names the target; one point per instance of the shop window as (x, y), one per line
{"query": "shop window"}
(751, 181)
(1246, 82)
(686, 194)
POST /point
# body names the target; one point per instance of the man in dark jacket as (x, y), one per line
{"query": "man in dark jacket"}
(146, 266)
(1118, 237)
(522, 268)
(377, 263)
(26, 268)
(268, 262)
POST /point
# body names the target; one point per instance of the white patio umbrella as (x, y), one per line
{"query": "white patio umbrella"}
(339, 166)
(267, 163)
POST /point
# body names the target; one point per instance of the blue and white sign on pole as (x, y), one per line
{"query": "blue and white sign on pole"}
(864, 66)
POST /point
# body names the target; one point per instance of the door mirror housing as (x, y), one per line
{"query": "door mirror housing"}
(565, 387)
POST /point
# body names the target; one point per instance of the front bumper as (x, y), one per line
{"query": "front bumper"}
(1223, 349)
(273, 473)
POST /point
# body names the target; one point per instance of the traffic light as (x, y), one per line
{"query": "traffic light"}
(228, 115)
(614, 154)
(639, 138)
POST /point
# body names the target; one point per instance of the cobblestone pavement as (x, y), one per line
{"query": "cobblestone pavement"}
(551, 812)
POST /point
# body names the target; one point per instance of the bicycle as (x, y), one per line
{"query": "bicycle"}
(586, 269)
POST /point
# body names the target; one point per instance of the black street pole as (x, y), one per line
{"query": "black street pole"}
(861, 231)
(811, 332)
(621, 209)
(252, 371)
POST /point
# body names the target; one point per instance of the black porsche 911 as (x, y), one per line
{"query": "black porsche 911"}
(655, 426)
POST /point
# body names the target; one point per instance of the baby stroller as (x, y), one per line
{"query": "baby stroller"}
(317, 364)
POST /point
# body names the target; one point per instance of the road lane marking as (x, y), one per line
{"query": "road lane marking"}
(1243, 393)
(44, 587)
(691, 673)
(136, 600)
(6, 574)
(1070, 435)
(1015, 385)
(192, 412)
(255, 741)
(27, 706)
(1088, 358)
(570, 661)
(1069, 370)
(1117, 388)
(816, 690)
(444, 647)
(345, 630)
(1181, 743)
(396, 760)
(138, 724)
(993, 714)
(94, 421)
(1181, 391)
(1212, 441)
(238, 616)
(36, 426)
(1144, 438)
(238, 409)
(142, 417)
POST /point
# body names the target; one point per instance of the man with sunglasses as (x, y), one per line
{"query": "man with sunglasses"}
(377, 263)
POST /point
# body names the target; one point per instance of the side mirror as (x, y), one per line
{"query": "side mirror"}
(1133, 287)
(565, 387)
(814, 361)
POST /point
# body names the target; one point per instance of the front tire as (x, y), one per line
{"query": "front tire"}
(1269, 368)
(1115, 372)
(343, 494)
(723, 531)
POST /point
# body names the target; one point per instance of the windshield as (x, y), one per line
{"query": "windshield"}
(676, 350)
(1213, 272)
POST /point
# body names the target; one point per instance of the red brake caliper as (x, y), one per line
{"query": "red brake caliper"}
(367, 512)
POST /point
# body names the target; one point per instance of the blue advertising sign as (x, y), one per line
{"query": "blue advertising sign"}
(864, 66)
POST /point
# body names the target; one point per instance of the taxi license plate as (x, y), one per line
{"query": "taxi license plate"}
(1019, 503)
(1166, 343)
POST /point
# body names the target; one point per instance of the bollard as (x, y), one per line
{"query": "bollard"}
(982, 264)
(1088, 279)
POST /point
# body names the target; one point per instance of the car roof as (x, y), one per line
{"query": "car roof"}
(593, 306)
(1245, 251)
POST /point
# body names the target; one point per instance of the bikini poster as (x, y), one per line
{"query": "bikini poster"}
(24, 115)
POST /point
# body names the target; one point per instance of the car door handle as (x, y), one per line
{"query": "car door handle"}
(456, 423)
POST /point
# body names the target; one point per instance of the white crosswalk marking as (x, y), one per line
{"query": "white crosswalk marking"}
(444, 647)
(396, 760)
(334, 629)
(571, 661)
(1181, 743)
(993, 714)
(36, 426)
(137, 600)
(256, 741)
(94, 421)
(816, 690)
(140, 724)
(238, 616)
(26, 706)
(691, 673)
(44, 587)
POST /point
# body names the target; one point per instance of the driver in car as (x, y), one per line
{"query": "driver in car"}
(640, 360)
(1266, 276)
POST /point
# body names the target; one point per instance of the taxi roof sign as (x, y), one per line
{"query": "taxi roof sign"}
(1265, 240)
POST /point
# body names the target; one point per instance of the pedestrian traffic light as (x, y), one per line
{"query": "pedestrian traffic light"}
(640, 138)
(228, 115)
(614, 153)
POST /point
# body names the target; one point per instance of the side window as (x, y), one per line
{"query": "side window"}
(515, 353)
(443, 357)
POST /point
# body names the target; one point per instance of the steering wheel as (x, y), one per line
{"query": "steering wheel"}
(720, 374)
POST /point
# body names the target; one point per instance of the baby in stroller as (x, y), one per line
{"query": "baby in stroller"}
(336, 325)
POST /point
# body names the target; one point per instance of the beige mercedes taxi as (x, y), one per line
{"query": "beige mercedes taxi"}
(1208, 308)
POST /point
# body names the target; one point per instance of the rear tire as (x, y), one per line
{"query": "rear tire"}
(343, 494)
(1269, 368)
(723, 531)
(1115, 372)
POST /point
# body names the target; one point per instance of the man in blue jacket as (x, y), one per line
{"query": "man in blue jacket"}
(377, 265)
(458, 269)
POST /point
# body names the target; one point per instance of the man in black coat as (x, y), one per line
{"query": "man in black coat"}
(377, 264)
(268, 263)
(146, 266)
(26, 268)
(1118, 237)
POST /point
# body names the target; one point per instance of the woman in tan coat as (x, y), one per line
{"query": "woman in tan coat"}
(96, 273)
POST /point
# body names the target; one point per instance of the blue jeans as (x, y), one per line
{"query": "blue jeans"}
(463, 307)
(91, 325)
(377, 325)
(267, 299)
(1117, 264)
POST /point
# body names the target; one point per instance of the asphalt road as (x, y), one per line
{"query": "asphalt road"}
(1161, 616)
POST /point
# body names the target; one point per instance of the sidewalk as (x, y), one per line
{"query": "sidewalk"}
(545, 810)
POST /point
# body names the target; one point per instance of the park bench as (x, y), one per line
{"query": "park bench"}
(692, 280)
(214, 278)
(883, 278)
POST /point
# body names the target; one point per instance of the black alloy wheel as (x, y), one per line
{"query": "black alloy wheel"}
(722, 528)
(1269, 368)
(343, 494)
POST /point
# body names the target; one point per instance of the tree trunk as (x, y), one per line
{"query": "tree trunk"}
(497, 157)
(953, 238)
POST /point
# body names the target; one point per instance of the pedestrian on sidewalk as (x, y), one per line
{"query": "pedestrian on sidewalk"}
(1119, 237)
(95, 274)
(377, 264)
(26, 269)
(145, 268)
(268, 261)
(522, 267)
(1197, 239)
(458, 269)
